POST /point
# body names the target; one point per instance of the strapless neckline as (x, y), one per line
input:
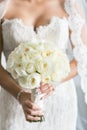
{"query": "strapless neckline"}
(35, 29)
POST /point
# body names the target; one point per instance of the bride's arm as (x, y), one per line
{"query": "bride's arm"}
(78, 37)
(5, 79)
(73, 71)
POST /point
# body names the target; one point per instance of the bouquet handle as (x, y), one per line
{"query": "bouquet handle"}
(36, 98)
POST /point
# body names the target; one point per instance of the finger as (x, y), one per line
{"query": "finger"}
(43, 84)
(47, 95)
(44, 87)
(48, 90)
(31, 105)
(32, 118)
(34, 113)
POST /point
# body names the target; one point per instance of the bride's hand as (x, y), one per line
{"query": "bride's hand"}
(46, 89)
(31, 110)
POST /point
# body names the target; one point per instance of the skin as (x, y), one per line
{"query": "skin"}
(33, 13)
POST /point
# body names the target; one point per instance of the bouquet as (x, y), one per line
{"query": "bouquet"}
(30, 64)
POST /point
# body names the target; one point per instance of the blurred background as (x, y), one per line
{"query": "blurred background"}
(82, 107)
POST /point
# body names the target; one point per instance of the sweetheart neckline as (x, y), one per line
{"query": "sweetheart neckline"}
(35, 29)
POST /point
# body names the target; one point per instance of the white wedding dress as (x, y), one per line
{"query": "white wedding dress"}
(61, 106)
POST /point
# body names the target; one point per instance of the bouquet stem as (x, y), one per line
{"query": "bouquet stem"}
(36, 98)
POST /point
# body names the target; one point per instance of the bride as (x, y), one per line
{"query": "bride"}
(59, 21)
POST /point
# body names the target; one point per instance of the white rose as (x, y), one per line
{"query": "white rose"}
(47, 53)
(57, 76)
(24, 59)
(34, 80)
(46, 78)
(20, 70)
(30, 68)
(61, 70)
(42, 66)
(34, 55)
(23, 82)
(14, 74)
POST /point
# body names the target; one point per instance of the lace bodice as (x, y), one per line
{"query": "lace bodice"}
(16, 32)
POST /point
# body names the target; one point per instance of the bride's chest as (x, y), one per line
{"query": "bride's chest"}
(16, 32)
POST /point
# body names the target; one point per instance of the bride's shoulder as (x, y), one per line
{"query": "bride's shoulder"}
(3, 6)
(7, 8)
